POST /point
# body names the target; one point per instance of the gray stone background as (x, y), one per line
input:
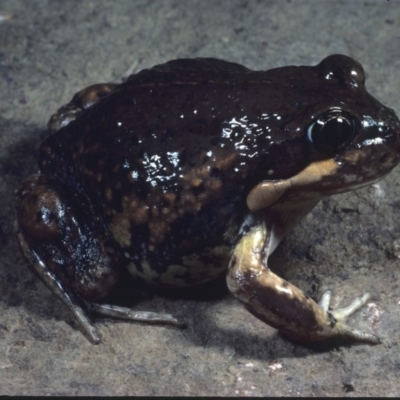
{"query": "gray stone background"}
(350, 243)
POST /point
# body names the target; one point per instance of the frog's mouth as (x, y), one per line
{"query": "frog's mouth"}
(321, 179)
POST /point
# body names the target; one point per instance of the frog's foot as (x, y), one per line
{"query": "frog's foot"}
(115, 312)
(281, 304)
(342, 314)
(109, 310)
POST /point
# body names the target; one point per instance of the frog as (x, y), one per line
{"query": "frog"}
(197, 168)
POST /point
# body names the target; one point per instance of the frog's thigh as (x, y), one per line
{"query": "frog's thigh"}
(71, 251)
(281, 304)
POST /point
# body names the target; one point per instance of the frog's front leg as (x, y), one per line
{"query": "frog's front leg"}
(72, 251)
(278, 302)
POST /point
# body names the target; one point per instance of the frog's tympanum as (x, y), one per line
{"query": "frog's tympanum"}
(197, 167)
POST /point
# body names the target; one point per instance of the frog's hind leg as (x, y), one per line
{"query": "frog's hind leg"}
(72, 252)
(281, 304)
(147, 317)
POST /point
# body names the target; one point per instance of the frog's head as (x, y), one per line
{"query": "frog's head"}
(352, 140)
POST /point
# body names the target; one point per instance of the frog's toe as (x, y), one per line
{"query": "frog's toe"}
(147, 317)
(340, 316)
(346, 332)
(343, 313)
(325, 300)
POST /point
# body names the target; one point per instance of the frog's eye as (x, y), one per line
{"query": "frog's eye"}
(331, 131)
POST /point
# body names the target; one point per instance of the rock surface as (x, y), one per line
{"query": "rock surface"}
(350, 243)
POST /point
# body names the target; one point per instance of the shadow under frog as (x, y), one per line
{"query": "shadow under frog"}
(197, 167)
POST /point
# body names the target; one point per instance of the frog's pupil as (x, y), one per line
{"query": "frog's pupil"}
(336, 131)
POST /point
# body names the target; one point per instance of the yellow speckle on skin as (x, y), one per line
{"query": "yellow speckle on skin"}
(196, 182)
(214, 184)
(201, 268)
(157, 229)
(108, 193)
(148, 272)
(141, 215)
(159, 209)
(213, 264)
(174, 276)
(165, 211)
(227, 162)
(134, 210)
(133, 269)
(149, 275)
(132, 203)
(170, 198)
(209, 264)
(120, 228)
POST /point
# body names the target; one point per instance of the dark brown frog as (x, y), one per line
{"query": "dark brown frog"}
(196, 165)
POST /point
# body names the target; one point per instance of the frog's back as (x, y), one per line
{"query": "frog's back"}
(179, 122)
